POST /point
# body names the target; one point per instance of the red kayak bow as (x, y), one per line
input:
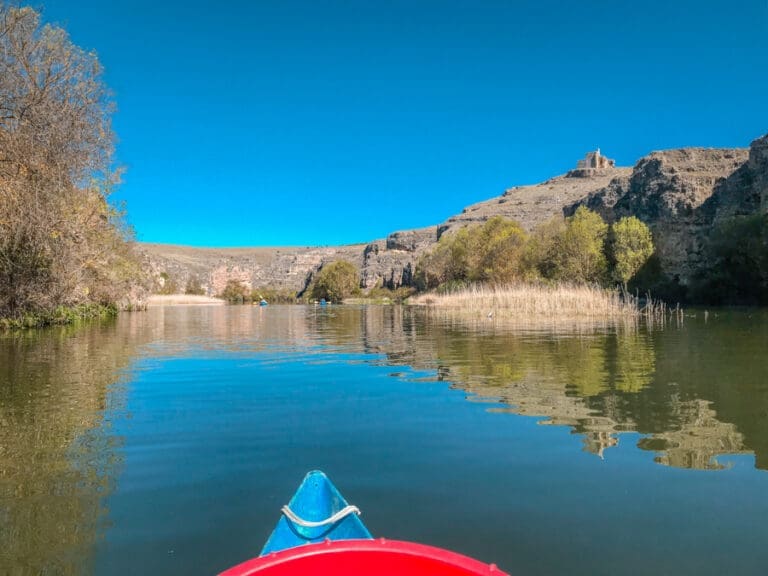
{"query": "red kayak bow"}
(364, 558)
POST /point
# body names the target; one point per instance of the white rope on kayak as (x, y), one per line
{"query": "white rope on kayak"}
(344, 512)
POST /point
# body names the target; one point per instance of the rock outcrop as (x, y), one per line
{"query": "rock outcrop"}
(758, 168)
(682, 193)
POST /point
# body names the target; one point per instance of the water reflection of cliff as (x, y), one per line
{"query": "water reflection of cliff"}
(694, 393)
(57, 458)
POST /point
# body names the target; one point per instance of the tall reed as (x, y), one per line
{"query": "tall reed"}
(543, 301)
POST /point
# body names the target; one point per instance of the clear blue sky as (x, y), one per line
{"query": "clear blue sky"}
(288, 122)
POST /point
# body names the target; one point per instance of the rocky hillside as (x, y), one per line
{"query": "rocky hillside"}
(533, 205)
(680, 194)
(280, 268)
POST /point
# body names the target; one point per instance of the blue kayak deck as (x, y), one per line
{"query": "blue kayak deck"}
(315, 500)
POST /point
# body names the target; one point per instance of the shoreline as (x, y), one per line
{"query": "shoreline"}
(182, 300)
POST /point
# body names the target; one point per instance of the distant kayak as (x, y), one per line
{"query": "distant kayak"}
(320, 533)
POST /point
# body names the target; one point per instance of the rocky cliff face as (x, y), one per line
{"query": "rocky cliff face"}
(680, 194)
(672, 192)
(758, 167)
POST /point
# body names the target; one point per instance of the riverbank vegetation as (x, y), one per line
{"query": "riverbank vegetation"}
(64, 249)
(58, 316)
(736, 263)
(574, 267)
(236, 292)
(556, 305)
(582, 249)
(562, 300)
(335, 281)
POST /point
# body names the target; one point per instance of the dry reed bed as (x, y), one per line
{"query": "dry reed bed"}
(543, 302)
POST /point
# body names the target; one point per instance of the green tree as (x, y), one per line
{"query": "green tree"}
(499, 246)
(540, 252)
(336, 281)
(578, 253)
(446, 263)
(630, 245)
(235, 292)
(491, 252)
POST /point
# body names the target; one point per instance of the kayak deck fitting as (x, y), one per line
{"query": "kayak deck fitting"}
(316, 512)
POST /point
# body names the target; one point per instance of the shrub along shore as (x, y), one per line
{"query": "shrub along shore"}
(60, 315)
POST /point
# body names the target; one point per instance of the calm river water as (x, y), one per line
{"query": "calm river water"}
(165, 442)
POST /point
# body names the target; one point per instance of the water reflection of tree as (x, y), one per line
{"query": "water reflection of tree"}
(676, 387)
(57, 459)
(600, 384)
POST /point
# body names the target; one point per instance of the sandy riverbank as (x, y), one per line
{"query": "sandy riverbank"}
(182, 300)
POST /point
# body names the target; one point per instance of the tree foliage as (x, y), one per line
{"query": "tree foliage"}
(336, 281)
(61, 243)
(235, 292)
(630, 245)
(491, 253)
(498, 248)
(274, 295)
(578, 253)
(541, 252)
(573, 250)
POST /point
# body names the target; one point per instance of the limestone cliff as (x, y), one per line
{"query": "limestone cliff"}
(682, 193)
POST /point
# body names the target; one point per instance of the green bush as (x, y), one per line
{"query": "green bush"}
(387, 295)
(274, 295)
(336, 281)
(60, 315)
(735, 269)
(651, 278)
(235, 292)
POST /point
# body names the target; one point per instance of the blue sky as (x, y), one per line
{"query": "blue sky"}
(286, 122)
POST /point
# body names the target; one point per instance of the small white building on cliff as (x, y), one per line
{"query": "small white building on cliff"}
(595, 161)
